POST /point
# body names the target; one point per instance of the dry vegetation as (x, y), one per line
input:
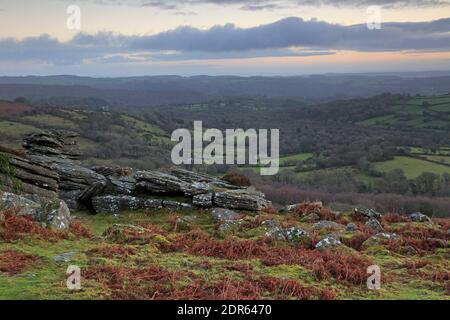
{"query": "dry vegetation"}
(148, 257)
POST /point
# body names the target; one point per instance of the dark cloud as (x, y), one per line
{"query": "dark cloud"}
(281, 38)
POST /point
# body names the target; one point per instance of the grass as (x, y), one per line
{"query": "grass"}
(412, 167)
(51, 121)
(414, 113)
(16, 129)
(198, 264)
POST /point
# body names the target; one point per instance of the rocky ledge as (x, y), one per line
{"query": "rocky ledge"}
(49, 168)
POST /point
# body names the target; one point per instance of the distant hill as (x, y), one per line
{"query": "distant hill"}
(163, 90)
(8, 108)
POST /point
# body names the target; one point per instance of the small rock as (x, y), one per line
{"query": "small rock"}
(312, 217)
(203, 200)
(329, 242)
(419, 217)
(64, 257)
(185, 223)
(368, 213)
(271, 224)
(324, 224)
(383, 236)
(220, 214)
(175, 205)
(351, 227)
(292, 234)
(229, 226)
(374, 224)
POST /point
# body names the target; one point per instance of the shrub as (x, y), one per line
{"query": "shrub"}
(237, 179)
(14, 262)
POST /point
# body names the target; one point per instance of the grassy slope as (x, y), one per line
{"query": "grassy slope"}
(45, 279)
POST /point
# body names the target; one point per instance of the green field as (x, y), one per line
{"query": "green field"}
(51, 121)
(442, 159)
(418, 112)
(411, 167)
(16, 129)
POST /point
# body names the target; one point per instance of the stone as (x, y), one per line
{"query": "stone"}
(54, 143)
(77, 185)
(121, 180)
(312, 217)
(419, 217)
(64, 257)
(329, 242)
(241, 200)
(220, 214)
(378, 238)
(51, 213)
(270, 224)
(116, 204)
(196, 177)
(185, 223)
(154, 182)
(175, 205)
(292, 234)
(325, 224)
(374, 224)
(351, 227)
(229, 226)
(367, 212)
(56, 213)
(19, 174)
(203, 200)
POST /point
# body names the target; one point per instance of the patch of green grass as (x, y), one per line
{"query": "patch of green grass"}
(51, 121)
(16, 129)
(411, 167)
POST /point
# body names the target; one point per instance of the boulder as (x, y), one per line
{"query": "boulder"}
(328, 225)
(77, 185)
(20, 174)
(374, 224)
(51, 213)
(241, 200)
(54, 143)
(367, 212)
(419, 217)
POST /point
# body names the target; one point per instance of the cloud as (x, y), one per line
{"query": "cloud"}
(274, 4)
(286, 37)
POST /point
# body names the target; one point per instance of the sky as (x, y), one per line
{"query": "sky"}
(112, 38)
